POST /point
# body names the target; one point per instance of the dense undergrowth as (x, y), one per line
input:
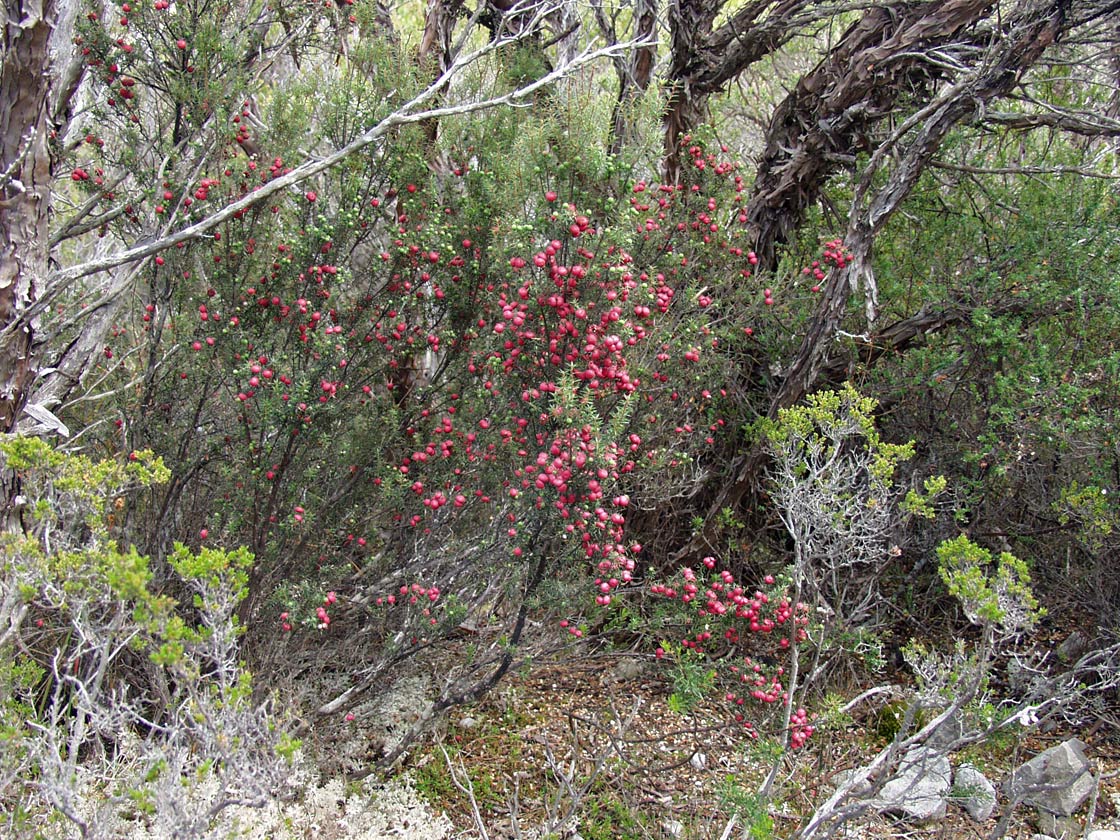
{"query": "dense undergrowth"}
(476, 393)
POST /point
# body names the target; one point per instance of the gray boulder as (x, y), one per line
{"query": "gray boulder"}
(919, 789)
(973, 792)
(1057, 781)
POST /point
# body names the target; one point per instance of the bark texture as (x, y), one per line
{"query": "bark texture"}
(635, 71)
(705, 59)
(945, 62)
(880, 65)
(1009, 51)
(25, 179)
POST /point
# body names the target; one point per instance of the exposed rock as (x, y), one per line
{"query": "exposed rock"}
(1102, 834)
(1063, 828)
(844, 776)
(1076, 645)
(1056, 781)
(951, 729)
(973, 792)
(627, 669)
(920, 787)
(468, 723)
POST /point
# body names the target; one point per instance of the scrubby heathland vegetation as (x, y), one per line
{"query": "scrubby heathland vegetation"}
(773, 342)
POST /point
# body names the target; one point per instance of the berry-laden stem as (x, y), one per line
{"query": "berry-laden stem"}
(794, 667)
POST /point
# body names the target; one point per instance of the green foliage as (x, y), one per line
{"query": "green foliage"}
(945, 674)
(1094, 508)
(921, 503)
(95, 607)
(895, 717)
(214, 570)
(752, 810)
(993, 592)
(834, 481)
(816, 433)
(433, 782)
(859, 643)
(1013, 399)
(85, 488)
(605, 816)
(693, 679)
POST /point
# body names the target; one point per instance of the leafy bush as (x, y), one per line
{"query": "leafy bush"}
(114, 699)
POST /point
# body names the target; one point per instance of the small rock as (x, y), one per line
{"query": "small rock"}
(950, 730)
(1056, 781)
(698, 761)
(627, 669)
(1019, 677)
(1042, 837)
(1076, 645)
(919, 788)
(468, 723)
(1063, 828)
(973, 792)
(673, 828)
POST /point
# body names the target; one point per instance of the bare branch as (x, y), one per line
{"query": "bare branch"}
(1085, 123)
(409, 113)
(1057, 169)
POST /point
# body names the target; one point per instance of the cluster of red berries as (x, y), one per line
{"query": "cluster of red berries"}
(728, 612)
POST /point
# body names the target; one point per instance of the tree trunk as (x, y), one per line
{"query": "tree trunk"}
(827, 119)
(635, 73)
(25, 175)
(998, 60)
(1007, 57)
(690, 24)
(703, 60)
(434, 52)
(25, 194)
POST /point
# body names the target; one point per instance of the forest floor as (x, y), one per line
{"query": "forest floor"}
(594, 747)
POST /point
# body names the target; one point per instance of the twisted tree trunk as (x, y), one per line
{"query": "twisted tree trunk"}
(879, 62)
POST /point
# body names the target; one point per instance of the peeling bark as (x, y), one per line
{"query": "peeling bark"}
(435, 43)
(25, 177)
(1008, 56)
(879, 64)
(435, 52)
(704, 60)
(690, 22)
(999, 57)
(383, 19)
